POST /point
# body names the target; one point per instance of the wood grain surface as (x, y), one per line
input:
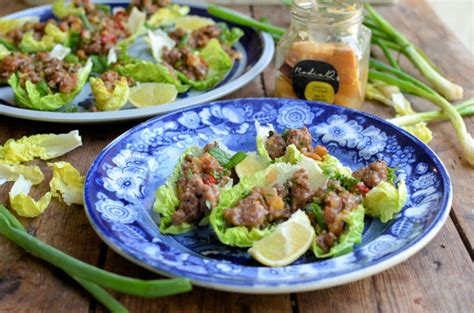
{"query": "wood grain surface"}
(438, 279)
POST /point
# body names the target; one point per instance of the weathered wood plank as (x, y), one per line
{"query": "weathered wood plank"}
(27, 284)
(439, 278)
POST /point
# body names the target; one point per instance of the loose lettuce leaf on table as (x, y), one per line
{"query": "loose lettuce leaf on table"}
(34, 96)
(67, 183)
(52, 36)
(351, 236)
(385, 200)
(11, 172)
(219, 63)
(110, 101)
(23, 204)
(43, 146)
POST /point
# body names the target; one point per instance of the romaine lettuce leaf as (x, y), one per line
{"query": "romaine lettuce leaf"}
(351, 236)
(52, 36)
(144, 71)
(136, 21)
(229, 36)
(241, 236)
(67, 183)
(167, 15)
(385, 200)
(8, 25)
(61, 9)
(262, 137)
(11, 172)
(44, 146)
(331, 166)
(110, 101)
(219, 63)
(33, 97)
(23, 204)
(3, 52)
(157, 40)
(166, 198)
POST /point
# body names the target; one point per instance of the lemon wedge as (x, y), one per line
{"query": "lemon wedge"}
(192, 22)
(250, 165)
(289, 241)
(149, 94)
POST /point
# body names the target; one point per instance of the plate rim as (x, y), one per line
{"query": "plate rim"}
(268, 49)
(379, 266)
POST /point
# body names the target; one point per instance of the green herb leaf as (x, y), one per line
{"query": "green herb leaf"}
(99, 63)
(43, 87)
(235, 159)
(104, 8)
(183, 41)
(220, 155)
(85, 21)
(392, 176)
(8, 45)
(319, 216)
(347, 182)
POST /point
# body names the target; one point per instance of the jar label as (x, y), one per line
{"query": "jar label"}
(315, 80)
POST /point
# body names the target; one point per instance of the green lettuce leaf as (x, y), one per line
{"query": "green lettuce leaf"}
(110, 101)
(8, 25)
(385, 200)
(144, 71)
(52, 36)
(229, 36)
(262, 137)
(3, 52)
(136, 21)
(332, 166)
(61, 9)
(34, 97)
(241, 236)
(167, 15)
(351, 236)
(43, 146)
(219, 63)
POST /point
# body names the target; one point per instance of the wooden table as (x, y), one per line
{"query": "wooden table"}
(437, 279)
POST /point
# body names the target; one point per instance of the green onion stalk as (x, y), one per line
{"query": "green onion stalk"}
(90, 277)
(379, 25)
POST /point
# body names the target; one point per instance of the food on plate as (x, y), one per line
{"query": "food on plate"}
(111, 90)
(149, 94)
(189, 194)
(288, 176)
(189, 51)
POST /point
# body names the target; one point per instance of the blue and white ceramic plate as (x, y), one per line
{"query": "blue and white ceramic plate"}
(120, 185)
(255, 47)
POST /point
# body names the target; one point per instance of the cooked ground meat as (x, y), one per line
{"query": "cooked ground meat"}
(111, 77)
(12, 63)
(373, 174)
(187, 62)
(301, 193)
(16, 35)
(198, 187)
(59, 76)
(200, 37)
(149, 6)
(271, 204)
(336, 203)
(276, 144)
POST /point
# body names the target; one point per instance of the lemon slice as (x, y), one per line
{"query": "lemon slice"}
(192, 22)
(250, 165)
(149, 94)
(289, 241)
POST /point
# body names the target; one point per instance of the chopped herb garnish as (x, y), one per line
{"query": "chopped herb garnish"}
(220, 155)
(235, 159)
(347, 182)
(318, 215)
(86, 22)
(183, 41)
(392, 176)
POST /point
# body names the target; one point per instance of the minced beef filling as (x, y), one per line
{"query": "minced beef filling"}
(336, 203)
(16, 35)
(110, 78)
(149, 6)
(59, 76)
(187, 62)
(198, 187)
(266, 205)
(277, 143)
(373, 174)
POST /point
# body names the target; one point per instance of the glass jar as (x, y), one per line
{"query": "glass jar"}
(324, 55)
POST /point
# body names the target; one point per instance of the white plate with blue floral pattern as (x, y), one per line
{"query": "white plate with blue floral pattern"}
(256, 50)
(120, 185)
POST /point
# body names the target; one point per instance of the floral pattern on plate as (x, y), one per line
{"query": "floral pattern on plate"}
(119, 193)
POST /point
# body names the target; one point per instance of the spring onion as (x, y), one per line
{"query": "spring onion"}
(81, 270)
(445, 87)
